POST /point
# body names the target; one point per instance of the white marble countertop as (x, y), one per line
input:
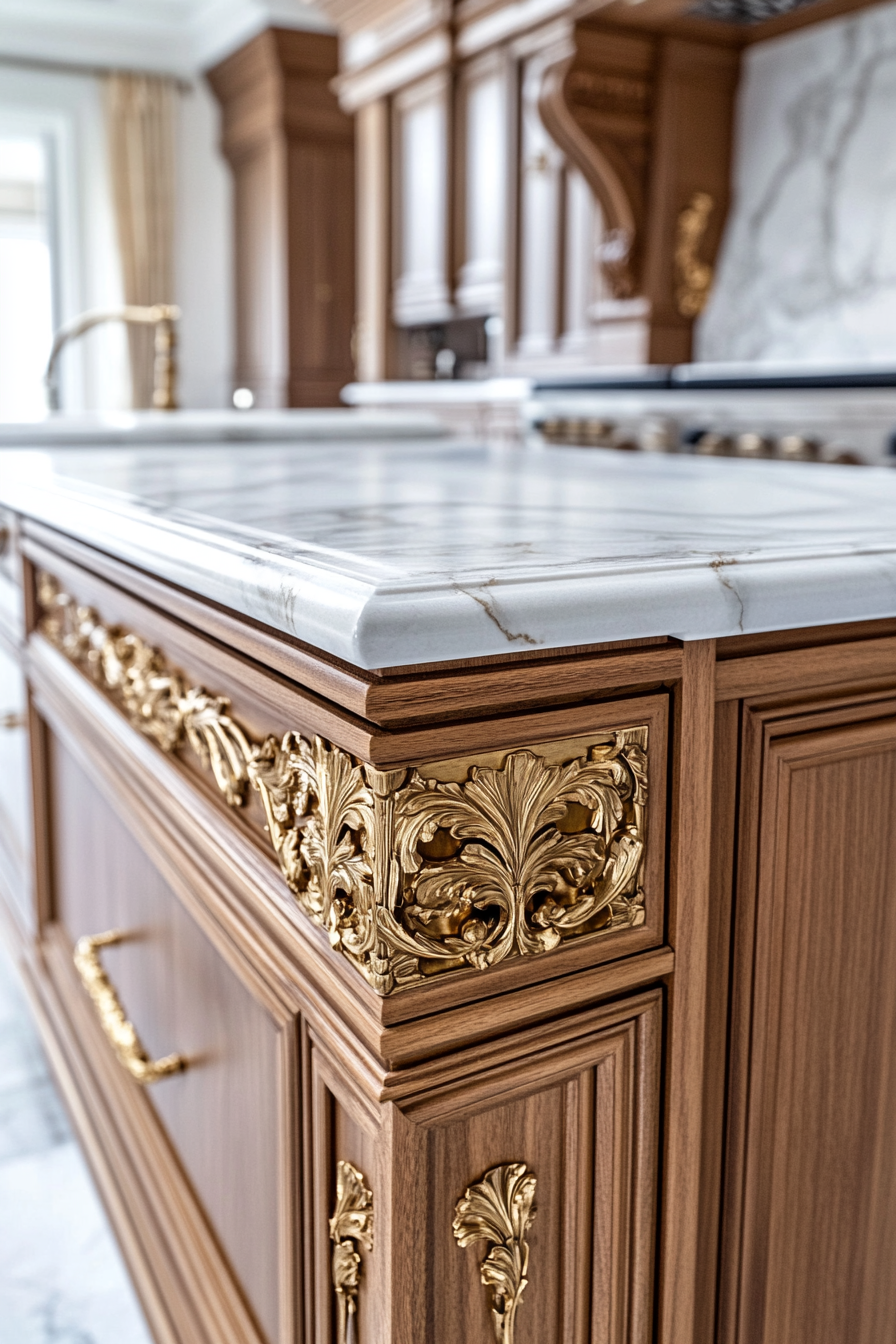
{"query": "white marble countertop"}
(91, 428)
(409, 553)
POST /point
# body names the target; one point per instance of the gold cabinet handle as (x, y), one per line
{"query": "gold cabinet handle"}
(499, 1210)
(120, 1033)
(13, 720)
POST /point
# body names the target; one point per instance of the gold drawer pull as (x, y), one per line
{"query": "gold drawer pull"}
(119, 1031)
(499, 1210)
(13, 720)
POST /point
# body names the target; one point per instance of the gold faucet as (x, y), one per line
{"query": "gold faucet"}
(162, 316)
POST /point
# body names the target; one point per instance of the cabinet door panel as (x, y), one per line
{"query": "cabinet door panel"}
(812, 1170)
(221, 1114)
(577, 1109)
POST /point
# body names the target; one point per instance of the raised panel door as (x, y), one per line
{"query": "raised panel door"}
(561, 1121)
(810, 1218)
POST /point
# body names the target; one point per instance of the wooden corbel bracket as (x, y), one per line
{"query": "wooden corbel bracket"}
(603, 156)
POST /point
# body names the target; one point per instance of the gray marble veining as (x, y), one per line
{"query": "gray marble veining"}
(808, 266)
(403, 554)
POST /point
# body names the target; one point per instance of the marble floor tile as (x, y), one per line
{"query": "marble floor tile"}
(62, 1279)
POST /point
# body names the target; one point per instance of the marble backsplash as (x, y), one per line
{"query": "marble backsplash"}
(807, 269)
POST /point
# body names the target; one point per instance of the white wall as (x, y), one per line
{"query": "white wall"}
(808, 266)
(68, 107)
(204, 269)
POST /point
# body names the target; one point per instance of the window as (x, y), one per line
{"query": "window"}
(26, 274)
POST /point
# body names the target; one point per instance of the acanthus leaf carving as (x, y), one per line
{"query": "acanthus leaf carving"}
(410, 875)
(350, 1226)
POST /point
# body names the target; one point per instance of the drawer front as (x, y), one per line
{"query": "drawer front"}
(221, 1114)
(15, 788)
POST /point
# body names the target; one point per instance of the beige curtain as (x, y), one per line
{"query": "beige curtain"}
(140, 111)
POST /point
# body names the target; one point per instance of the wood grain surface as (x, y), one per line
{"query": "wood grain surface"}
(689, 896)
(811, 1206)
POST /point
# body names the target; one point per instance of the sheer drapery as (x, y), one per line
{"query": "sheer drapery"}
(140, 111)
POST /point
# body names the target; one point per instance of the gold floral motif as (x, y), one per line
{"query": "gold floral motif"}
(319, 808)
(499, 1209)
(517, 858)
(414, 872)
(152, 695)
(352, 1223)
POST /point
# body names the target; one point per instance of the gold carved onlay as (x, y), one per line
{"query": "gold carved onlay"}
(350, 1226)
(412, 872)
(499, 1209)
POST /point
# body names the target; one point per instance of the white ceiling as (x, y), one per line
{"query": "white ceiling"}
(176, 36)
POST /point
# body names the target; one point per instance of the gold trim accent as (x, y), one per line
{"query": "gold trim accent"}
(499, 1209)
(120, 1032)
(352, 1222)
(412, 872)
(13, 720)
(694, 276)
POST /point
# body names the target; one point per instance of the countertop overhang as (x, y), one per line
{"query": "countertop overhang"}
(390, 555)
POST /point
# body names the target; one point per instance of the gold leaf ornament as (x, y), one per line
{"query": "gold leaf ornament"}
(410, 875)
(499, 1209)
(532, 853)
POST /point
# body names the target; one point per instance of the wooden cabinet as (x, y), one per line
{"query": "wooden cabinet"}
(292, 155)
(573, 968)
(563, 173)
(571, 1108)
(188, 991)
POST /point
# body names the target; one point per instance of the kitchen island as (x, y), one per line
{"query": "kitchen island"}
(457, 894)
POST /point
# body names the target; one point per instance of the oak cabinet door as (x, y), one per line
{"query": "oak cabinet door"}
(810, 1241)
(512, 1187)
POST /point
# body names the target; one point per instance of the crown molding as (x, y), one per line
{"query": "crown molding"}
(178, 37)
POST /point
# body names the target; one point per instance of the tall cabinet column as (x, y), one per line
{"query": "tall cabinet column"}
(291, 149)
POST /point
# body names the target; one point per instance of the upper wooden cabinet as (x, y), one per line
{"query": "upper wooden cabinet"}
(568, 177)
(564, 169)
(291, 149)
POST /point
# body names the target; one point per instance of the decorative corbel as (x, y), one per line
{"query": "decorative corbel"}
(568, 92)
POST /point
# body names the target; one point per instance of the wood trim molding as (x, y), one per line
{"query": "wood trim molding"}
(396, 698)
(689, 904)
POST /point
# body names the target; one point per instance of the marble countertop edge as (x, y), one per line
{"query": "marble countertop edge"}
(360, 605)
